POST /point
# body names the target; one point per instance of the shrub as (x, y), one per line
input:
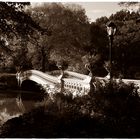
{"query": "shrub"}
(113, 99)
(115, 106)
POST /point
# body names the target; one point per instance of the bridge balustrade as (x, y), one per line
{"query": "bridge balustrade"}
(75, 84)
(76, 75)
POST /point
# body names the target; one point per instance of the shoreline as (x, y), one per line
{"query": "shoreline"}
(16, 91)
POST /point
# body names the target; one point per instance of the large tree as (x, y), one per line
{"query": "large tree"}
(125, 51)
(70, 32)
(97, 49)
(16, 23)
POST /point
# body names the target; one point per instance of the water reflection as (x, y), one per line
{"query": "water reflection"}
(13, 104)
(20, 103)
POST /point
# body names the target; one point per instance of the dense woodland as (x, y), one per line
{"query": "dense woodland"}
(40, 36)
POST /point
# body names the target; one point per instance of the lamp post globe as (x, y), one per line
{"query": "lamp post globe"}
(111, 30)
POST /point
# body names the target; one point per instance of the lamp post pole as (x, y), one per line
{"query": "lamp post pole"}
(111, 30)
(110, 55)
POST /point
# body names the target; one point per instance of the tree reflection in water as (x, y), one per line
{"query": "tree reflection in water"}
(12, 105)
(8, 109)
(20, 103)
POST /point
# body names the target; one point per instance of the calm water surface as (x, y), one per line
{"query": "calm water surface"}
(15, 103)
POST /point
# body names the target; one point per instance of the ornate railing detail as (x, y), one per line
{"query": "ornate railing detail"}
(76, 85)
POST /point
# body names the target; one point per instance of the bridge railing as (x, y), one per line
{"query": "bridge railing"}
(76, 75)
(41, 75)
(75, 84)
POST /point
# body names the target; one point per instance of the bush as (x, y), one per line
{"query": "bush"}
(113, 99)
(115, 106)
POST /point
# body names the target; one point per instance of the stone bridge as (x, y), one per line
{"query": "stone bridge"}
(71, 81)
(75, 82)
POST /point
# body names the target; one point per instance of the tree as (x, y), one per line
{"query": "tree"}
(126, 43)
(102, 21)
(130, 6)
(70, 31)
(98, 48)
(15, 22)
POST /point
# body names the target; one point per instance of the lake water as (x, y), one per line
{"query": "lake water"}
(15, 103)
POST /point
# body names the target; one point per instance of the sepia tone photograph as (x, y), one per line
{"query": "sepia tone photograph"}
(69, 69)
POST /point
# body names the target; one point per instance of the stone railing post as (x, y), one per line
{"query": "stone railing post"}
(62, 81)
(18, 74)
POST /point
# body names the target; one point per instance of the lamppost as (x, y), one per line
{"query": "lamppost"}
(111, 30)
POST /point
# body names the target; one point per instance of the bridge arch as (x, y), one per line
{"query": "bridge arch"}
(30, 85)
(38, 77)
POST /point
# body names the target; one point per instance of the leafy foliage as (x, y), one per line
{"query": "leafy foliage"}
(125, 44)
(109, 99)
(130, 5)
(15, 20)
(17, 24)
(70, 31)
